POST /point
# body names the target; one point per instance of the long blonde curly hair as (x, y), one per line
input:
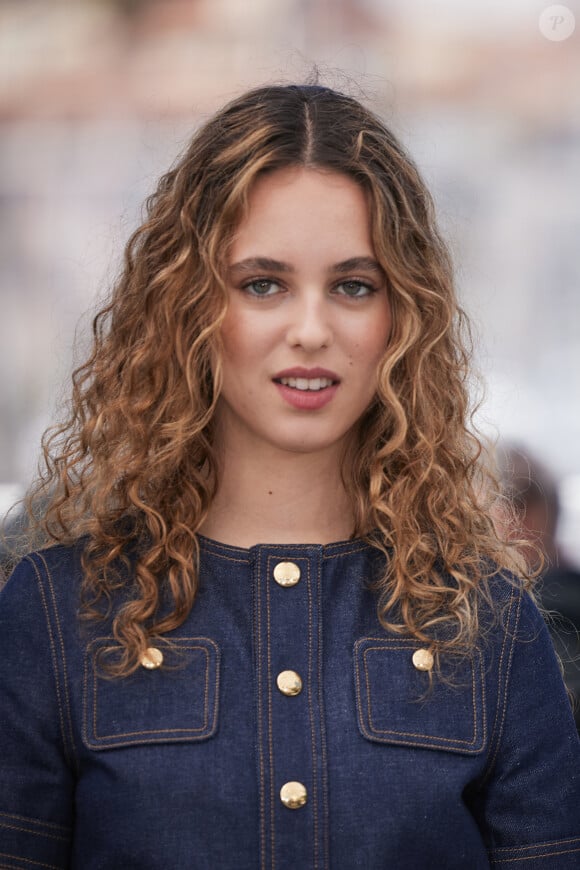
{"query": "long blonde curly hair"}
(133, 471)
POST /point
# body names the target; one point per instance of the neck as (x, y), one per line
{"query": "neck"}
(278, 497)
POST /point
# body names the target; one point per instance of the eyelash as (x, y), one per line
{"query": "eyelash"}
(370, 288)
(249, 286)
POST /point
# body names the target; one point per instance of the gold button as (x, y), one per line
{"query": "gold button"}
(289, 683)
(293, 795)
(423, 659)
(152, 658)
(287, 573)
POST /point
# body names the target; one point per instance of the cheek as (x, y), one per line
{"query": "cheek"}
(371, 343)
(235, 340)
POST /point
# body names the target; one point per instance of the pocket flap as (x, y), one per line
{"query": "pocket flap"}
(175, 703)
(396, 704)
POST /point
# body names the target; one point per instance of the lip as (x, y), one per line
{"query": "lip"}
(300, 372)
(304, 400)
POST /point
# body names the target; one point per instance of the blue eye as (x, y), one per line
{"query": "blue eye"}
(355, 289)
(261, 287)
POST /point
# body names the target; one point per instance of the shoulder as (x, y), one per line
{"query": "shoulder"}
(57, 561)
(505, 605)
(43, 580)
(514, 635)
(527, 673)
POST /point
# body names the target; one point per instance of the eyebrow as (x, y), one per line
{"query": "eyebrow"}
(256, 264)
(366, 264)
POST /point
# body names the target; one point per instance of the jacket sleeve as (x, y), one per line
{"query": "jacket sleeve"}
(36, 752)
(531, 799)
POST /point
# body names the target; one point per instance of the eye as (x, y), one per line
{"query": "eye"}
(355, 289)
(261, 287)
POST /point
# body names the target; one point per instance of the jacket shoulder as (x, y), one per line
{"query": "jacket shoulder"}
(52, 575)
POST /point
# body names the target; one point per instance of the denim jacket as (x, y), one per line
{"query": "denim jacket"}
(221, 759)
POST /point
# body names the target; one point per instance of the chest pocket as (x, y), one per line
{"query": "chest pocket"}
(174, 703)
(396, 704)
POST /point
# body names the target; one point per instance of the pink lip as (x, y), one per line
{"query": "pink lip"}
(299, 372)
(306, 400)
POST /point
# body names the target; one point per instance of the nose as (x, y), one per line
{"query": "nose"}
(310, 326)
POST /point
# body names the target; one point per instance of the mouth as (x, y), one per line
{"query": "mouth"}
(307, 380)
(307, 390)
(312, 385)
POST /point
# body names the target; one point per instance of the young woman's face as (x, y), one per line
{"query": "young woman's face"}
(308, 318)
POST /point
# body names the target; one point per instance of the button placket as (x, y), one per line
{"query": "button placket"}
(290, 751)
(293, 794)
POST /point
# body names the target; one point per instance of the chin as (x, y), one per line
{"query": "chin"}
(310, 444)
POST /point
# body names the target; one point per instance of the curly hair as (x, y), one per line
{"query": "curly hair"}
(133, 469)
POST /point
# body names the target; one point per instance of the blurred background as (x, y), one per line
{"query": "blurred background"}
(97, 98)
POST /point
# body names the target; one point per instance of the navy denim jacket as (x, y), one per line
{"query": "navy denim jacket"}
(182, 766)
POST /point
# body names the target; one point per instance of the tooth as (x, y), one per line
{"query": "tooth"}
(305, 384)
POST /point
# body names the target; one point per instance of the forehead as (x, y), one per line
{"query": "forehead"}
(301, 210)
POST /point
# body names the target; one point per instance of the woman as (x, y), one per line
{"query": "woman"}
(276, 627)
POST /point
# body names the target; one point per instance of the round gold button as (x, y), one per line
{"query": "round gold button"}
(293, 795)
(289, 683)
(152, 658)
(287, 573)
(423, 659)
